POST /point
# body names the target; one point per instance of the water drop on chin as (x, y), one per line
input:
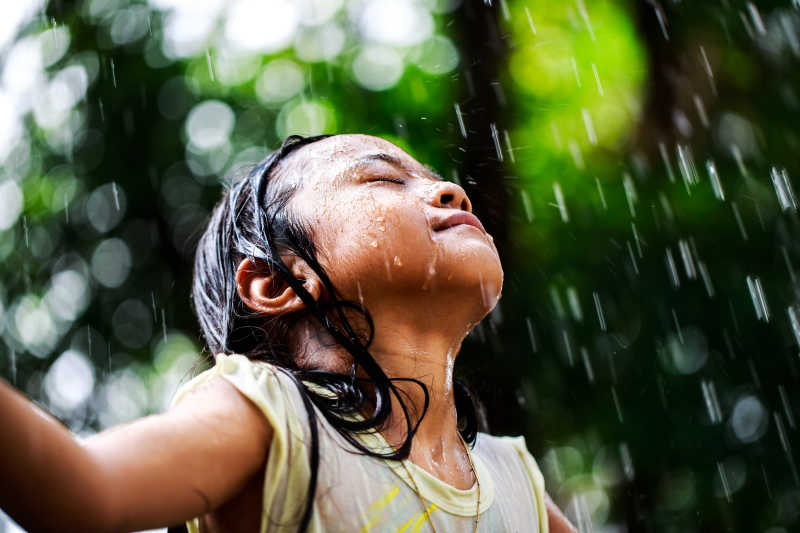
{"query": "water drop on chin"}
(397, 261)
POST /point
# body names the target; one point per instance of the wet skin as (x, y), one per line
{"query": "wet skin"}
(394, 236)
(384, 227)
(378, 218)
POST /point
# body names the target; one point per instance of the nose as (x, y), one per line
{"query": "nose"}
(448, 194)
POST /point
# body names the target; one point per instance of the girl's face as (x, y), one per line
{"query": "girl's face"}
(388, 229)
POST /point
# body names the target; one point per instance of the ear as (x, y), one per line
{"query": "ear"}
(266, 293)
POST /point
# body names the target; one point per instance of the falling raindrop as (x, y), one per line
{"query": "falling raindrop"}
(783, 189)
(712, 403)
(510, 151)
(526, 204)
(597, 80)
(630, 193)
(787, 407)
(716, 184)
(585, 16)
(665, 157)
(600, 193)
(560, 203)
(707, 67)
(789, 267)
(739, 221)
(766, 481)
(795, 322)
(686, 166)
(701, 111)
(637, 240)
(688, 262)
(557, 305)
(587, 121)
(116, 194)
(210, 66)
(706, 278)
(634, 263)
(113, 72)
(672, 269)
(460, 118)
(601, 318)
(496, 140)
(577, 156)
(531, 336)
(787, 448)
(756, 18)
(530, 20)
(504, 10)
(627, 461)
(574, 304)
(568, 347)
(575, 70)
(587, 364)
(724, 480)
(677, 326)
(661, 20)
(758, 298)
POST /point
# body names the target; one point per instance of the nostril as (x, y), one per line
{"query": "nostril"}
(446, 199)
(464, 205)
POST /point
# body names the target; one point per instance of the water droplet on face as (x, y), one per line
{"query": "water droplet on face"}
(397, 261)
(381, 228)
(374, 244)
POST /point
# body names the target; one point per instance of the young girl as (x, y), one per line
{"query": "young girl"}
(335, 284)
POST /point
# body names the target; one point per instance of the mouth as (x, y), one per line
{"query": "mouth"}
(457, 219)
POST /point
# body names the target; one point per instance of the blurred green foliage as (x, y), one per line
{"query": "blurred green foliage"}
(634, 159)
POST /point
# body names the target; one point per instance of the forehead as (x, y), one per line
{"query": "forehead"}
(330, 159)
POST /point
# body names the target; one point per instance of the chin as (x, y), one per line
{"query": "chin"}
(479, 278)
(490, 290)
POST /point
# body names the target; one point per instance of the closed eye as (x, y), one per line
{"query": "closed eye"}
(390, 180)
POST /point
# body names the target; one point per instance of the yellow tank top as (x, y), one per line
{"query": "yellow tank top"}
(358, 493)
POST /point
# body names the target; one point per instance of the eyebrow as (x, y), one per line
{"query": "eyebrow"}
(395, 162)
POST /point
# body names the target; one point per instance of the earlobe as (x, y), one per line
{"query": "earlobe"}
(263, 292)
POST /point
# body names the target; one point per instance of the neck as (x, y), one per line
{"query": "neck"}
(405, 346)
(432, 364)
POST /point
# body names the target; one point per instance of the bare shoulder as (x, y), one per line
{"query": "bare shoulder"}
(218, 399)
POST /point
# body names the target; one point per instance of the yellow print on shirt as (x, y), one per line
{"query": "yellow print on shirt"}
(420, 521)
(375, 508)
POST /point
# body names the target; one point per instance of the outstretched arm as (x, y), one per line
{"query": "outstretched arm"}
(556, 520)
(156, 471)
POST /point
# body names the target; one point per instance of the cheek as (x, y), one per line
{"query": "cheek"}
(369, 243)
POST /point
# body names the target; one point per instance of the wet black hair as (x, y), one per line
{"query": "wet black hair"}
(252, 221)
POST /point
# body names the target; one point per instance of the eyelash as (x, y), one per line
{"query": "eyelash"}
(391, 180)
